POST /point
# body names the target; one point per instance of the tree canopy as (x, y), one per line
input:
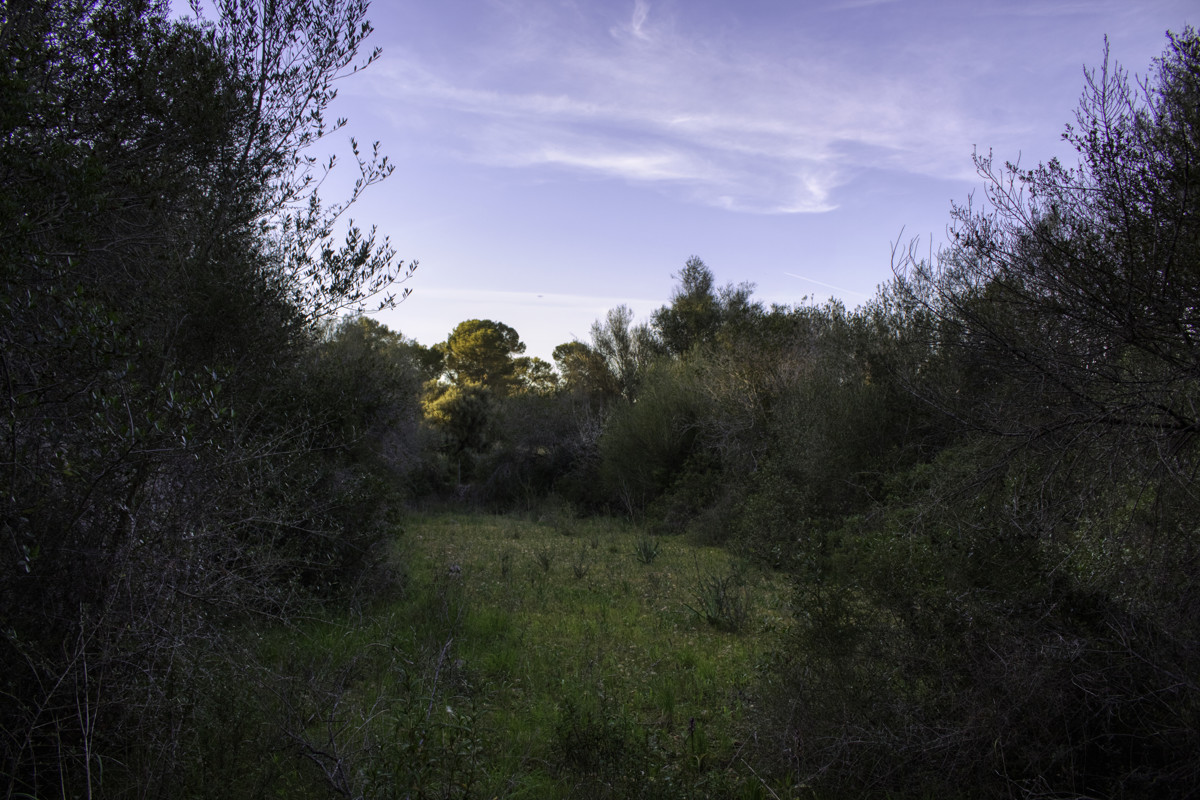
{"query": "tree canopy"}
(481, 352)
(698, 309)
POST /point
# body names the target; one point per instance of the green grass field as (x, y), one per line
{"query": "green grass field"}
(540, 658)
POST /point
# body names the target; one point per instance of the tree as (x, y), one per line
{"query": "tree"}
(1073, 302)
(646, 446)
(625, 350)
(430, 361)
(480, 352)
(164, 260)
(466, 416)
(693, 315)
(1081, 286)
(366, 379)
(535, 376)
(291, 54)
(583, 371)
(698, 310)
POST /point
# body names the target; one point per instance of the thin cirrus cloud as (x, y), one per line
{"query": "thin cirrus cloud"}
(710, 119)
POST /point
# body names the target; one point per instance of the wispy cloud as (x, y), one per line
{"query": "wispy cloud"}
(641, 10)
(642, 166)
(712, 119)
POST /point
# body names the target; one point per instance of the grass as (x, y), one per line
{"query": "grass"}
(499, 675)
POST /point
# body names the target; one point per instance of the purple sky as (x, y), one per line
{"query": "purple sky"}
(558, 157)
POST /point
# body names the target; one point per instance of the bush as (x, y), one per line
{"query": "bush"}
(943, 644)
(645, 445)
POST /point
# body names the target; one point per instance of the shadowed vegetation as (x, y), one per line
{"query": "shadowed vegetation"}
(254, 544)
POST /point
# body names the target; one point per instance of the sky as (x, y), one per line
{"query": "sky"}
(556, 158)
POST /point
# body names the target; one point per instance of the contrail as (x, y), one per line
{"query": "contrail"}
(826, 285)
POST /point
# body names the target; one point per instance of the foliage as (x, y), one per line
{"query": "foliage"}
(466, 417)
(518, 450)
(480, 352)
(369, 376)
(625, 350)
(646, 444)
(833, 425)
(172, 458)
(584, 372)
(1075, 292)
(721, 599)
(544, 558)
(698, 311)
(1015, 615)
(580, 566)
(646, 549)
(535, 376)
(940, 647)
(499, 415)
(981, 483)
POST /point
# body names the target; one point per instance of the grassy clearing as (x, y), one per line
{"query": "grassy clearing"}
(540, 659)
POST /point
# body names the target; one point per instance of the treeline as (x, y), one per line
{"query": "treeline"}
(983, 480)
